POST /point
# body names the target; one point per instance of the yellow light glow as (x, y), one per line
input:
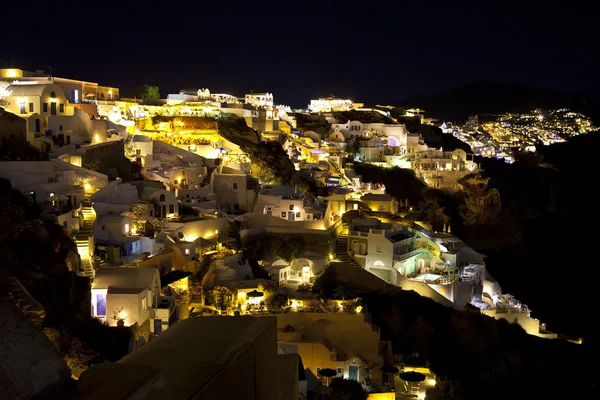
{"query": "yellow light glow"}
(97, 138)
(331, 256)
(133, 231)
(358, 309)
(87, 187)
(12, 73)
(421, 396)
(122, 315)
(430, 381)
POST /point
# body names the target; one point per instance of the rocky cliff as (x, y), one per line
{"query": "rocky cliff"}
(488, 358)
(43, 258)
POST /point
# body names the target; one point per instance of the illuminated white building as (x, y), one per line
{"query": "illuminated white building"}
(443, 169)
(287, 203)
(329, 104)
(260, 99)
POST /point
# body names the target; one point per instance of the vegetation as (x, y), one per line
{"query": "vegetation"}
(315, 123)
(366, 117)
(346, 389)
(270, 246)
(147, 92)
(400, 183)
(270, 163)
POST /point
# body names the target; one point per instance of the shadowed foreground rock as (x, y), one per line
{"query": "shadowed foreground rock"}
(29, 363)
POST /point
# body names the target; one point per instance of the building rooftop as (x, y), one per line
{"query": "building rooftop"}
(125, 278)
(376, 197)
(26, 90)
(213, 341)
(173, 276)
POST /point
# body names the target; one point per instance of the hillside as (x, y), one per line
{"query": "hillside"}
(270, 163)
(478, 353)
(494, 98)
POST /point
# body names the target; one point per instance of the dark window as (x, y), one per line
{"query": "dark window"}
(297, 215)
(53, 95)
(339, 370)
(283, 214)
(235, 185)
(61, 108)
(171, 208)
(291, 207)
(162, 197)
(22, 108)
(45, 107)
(236, 207)
(30, 107)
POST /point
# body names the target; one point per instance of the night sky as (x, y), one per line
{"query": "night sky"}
(374, 54)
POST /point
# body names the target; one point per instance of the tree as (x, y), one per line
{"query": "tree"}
(147, 92)
(347, 389)
(327, 373)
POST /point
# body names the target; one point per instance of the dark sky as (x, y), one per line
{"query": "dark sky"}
(375, 53)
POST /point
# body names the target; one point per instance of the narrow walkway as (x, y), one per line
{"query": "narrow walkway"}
(82, 240)
(341, 247)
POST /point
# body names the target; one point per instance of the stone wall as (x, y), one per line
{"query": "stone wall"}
(108, 159)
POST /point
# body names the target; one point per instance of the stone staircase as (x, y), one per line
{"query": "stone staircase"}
(196, 295)
(341, 248)
(82, 240)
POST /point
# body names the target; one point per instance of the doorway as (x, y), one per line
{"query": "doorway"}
(53, 108)
(353, 372)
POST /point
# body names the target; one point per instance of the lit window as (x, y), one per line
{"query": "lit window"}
(22, 108)
(378, 263)
(187, 252)
(144, 305)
